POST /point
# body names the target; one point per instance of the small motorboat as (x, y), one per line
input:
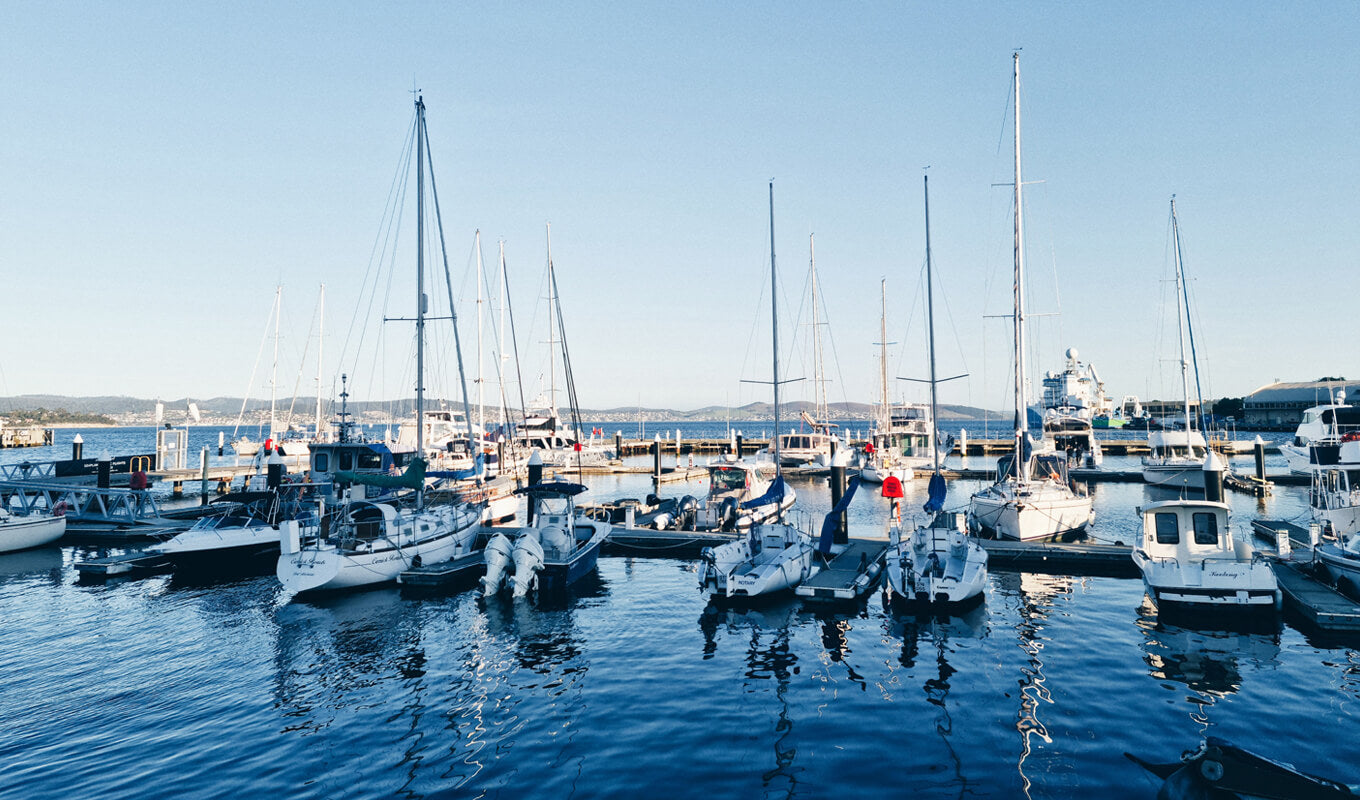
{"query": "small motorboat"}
(558, 547)
(1220, 769)
(1190, 560)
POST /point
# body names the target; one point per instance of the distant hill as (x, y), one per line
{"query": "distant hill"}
(224, 410)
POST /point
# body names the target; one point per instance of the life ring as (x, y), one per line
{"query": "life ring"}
(60, 509)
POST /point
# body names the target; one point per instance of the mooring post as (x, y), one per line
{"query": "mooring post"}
(203, 490)
(221, 442)
(535, 477)
(1213, 478)
(656, 459)
(740, 443)
(618, 445)
(1260, 448)
(102, 469)
(274, 478)
(841, 536)
(77, 448)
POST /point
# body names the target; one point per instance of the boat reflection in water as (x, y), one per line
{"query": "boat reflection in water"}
(1208, 662)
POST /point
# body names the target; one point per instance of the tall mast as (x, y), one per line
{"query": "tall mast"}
(1180, 326)
(552, 343)
(420, 290)
(274, 376)
(822, 412)
(774, 323)
(1021, 412)
(930, 318)
(481, 407)
(500, 339)
(883, 353)
(320, 329)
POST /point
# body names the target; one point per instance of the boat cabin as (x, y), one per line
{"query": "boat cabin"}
(1188, 531)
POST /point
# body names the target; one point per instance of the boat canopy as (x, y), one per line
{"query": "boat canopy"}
(772, 495)
(552, 489)
(412, 478)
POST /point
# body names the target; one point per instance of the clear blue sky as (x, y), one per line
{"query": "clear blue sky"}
(166, 165)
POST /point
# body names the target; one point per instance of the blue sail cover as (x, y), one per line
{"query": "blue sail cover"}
(462, 474)
(774, 494)
(937, 491)
(829, 524)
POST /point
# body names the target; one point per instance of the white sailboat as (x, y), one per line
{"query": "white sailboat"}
(883, 456)
(937, 563)
(774, 556)
(35, 529)
(1032, 498)
(1176, 458)
(366, 542)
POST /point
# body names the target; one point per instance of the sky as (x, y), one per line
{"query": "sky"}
(166, 166)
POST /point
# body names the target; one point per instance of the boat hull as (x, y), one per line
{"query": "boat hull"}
(1012, 518)
(1213, 585)
(1183, 476)
(326, 567)
(958, 581)
(23, 533)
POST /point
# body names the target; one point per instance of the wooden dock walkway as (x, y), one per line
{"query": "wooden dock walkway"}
(849, 576)
(1061, 558)
(1317, 602)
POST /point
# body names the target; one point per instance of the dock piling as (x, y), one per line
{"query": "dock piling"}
(77, 448)
(103, 466)
(1260, 448)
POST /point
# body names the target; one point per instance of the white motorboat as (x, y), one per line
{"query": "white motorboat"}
(558, 547)
(773, 556)
(740, 494)
(24, 531)
(244, 537)
(1327, 436)
(1334, 496)
(1190, 560)
(1032, 497)
(363, 542)
(1072, 401)
(1175, 459)
(1341, 559)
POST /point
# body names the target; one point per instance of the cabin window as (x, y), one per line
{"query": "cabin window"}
(1168, 529)
(370, 460)
(346, 460)
(322, 462)
(1206, 528)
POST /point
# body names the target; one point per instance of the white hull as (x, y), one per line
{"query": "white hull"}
(1179, 474)
(781, 559)
(1208, 584)
(36, 530)
(877, 473)
(1342, 562)
(1040, 512)
(324, 567)
(941, 566)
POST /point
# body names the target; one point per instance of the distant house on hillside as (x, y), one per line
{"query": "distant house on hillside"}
(1283, 404)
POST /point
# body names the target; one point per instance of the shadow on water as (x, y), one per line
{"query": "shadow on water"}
(934, 633)
(1205, 660)
(39, 562)
(766, 625)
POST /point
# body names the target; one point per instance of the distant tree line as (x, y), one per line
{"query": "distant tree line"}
(55, 416)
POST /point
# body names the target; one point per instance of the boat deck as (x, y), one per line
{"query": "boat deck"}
(850, 575)
(446, 573)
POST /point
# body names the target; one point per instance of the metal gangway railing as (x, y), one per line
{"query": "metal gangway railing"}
(81, 503)
(28, 471)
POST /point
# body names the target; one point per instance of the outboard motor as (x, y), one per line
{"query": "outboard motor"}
(727, 514)
(685, 512)
(498, 556)
(528, 561)
(708, 567)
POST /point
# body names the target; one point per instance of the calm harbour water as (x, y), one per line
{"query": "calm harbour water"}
(158, 688)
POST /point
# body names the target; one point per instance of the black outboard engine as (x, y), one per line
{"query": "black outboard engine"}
(685, 512)
(727, 514)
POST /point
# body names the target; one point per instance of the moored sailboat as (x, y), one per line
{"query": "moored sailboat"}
(1032, 497)
(362, 542)
(938, 563)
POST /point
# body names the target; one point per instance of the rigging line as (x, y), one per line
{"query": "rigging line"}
(514, 338)
(258, 355)
(297, 383)
(453, 314)
(395, 192)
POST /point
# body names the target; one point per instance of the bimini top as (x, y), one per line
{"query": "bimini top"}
(552, 489)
